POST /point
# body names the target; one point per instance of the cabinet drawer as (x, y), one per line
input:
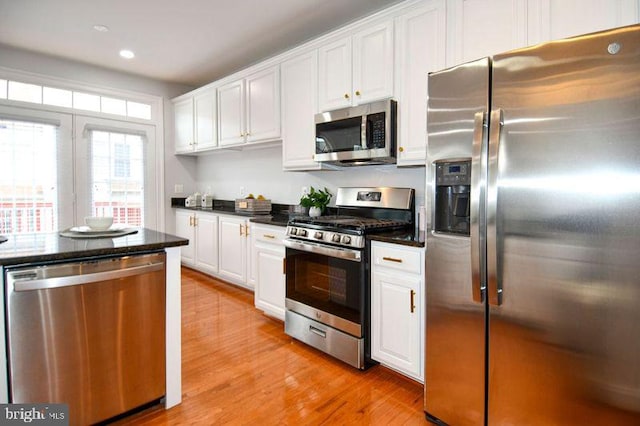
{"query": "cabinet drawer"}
(268, 234)
(403, 259)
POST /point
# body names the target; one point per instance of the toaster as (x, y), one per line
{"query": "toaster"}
(207, 200)
(192, 201)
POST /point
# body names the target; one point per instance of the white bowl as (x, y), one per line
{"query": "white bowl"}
(98, 223)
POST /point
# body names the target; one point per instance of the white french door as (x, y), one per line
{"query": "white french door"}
(116, 166)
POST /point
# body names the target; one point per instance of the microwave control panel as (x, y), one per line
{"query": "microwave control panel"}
(376, 130)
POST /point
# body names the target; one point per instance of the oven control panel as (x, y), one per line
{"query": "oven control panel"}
(330, 237)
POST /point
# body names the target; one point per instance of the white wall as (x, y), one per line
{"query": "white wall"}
(178, 170)
(259, 171)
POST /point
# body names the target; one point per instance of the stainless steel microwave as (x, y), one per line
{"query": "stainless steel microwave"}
(361, 135)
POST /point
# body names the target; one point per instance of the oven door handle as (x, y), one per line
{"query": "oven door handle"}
(341, 253)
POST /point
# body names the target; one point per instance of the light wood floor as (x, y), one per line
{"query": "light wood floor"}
(239, 367)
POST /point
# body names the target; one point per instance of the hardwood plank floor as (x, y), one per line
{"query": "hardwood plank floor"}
(239, 367)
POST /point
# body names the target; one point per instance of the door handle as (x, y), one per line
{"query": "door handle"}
(494, 278)
(413, 301)
(241, 234)
(477, 208)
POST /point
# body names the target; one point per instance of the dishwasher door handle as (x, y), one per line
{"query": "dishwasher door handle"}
(22, 282)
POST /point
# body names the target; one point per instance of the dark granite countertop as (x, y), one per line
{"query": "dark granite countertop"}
(415, 238)
(32, 248)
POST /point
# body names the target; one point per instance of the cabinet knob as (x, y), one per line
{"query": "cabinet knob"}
(346, 96)
(357, 93)
(401, 149)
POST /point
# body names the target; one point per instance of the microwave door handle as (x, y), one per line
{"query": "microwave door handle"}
(364, 129)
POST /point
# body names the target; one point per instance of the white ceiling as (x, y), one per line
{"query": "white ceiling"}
(191, 41)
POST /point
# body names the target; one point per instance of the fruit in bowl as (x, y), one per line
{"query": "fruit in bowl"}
(101, 223)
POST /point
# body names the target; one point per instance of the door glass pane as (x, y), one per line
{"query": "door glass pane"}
(117, 177)
(28, 177)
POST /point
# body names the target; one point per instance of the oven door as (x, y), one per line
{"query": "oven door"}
(326, 284)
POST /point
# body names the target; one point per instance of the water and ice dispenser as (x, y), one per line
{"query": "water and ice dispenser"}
(453, 188)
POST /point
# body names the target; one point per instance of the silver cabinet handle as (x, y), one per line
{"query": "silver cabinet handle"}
(494, 280)
(477, 208)
(28, 284)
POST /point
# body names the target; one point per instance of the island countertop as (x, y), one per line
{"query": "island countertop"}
(32, 248)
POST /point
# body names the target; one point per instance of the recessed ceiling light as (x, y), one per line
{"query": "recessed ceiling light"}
(127, 54)
(101, 28)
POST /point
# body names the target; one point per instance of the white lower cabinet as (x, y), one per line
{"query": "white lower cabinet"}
(268, 256)
(397, 308)
(201, 229)
(232, 245)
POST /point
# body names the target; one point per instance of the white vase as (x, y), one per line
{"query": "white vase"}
(315, 211)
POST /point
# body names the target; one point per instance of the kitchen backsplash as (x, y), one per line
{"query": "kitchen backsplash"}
(260, 172)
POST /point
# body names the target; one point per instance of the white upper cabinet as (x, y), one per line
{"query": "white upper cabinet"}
(231, 113)
(205, 120)
(263, 105)
(195, 122)
(479, 28)
(551, 20)
(420, 49)
(183, 122)
(249, 109)
(356, 69)
(373, 63)
(299, 88)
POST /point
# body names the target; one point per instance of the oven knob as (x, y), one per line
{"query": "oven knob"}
(302, 232)
(346, 239)
(335, 238)
(317, 235)
(293, 231)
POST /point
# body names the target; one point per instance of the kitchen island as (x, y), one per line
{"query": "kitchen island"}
(51, 249)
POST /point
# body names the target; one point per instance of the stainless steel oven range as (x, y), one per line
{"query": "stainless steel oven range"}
(327, 261)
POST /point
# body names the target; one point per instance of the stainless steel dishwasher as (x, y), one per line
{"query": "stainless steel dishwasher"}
(89, 333)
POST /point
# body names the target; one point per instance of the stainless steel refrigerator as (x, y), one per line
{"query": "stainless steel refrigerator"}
(533, 244)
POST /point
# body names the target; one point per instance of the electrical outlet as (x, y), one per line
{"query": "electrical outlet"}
(178, 188)
(305, 190)
(242, 191)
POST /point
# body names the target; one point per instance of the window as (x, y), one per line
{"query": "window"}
(34, 166)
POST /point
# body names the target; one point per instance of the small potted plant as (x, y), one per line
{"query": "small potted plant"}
(316, 201)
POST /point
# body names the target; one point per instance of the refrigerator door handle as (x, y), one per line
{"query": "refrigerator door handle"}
(494, 280)
(477, 189)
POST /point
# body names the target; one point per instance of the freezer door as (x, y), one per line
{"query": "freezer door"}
(563, 233)
(455, 313)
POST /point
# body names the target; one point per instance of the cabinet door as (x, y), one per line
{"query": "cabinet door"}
(231, 113)
(207, 242)
(479, 28)
(420, 49)
(299, 105)
(205, 120)
(270, 288)
(373, 63)
(334, 84)
(185, 229)
(183, 121)
(395, 316)
(233, 249)
(263, 105)
(552, 20)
